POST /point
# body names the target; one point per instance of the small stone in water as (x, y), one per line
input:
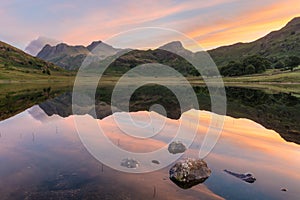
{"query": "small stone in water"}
(156, 162)
(176, 147)
(130, 163)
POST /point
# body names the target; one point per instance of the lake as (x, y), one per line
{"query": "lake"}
(42, 155)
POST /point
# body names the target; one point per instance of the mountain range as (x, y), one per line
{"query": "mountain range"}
(276, 45)
(71, 57)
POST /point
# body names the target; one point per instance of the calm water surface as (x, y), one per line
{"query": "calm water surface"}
(42, 156)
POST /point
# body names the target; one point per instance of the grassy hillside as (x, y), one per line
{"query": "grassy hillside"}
(268, 76)
(276, 45)
(16, 65)
(11, 56)
(138, 57)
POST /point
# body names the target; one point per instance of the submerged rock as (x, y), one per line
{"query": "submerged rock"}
(130, 163)
(284, 189)
(189, 172)
(247, 177)
(156, 162)
(176, 147)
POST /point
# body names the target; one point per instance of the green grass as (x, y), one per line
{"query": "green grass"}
(269, 76)
(22, 74)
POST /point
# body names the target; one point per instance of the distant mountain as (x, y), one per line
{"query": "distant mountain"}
(176, 47)
(275, 45)
(71, 57)
(12, 58)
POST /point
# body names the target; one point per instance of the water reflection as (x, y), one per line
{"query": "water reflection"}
(15, 98)
(277, 111)
(55, 164)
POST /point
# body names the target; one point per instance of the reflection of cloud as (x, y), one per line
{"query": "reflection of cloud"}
(35, 46)
(244, 146)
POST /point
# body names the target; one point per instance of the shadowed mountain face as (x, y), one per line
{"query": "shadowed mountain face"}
(275, 45)
(99, 54)
(71, 57)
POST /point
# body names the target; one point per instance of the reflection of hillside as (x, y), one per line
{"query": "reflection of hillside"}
(17, 101)
(279, 112)
(62, 106)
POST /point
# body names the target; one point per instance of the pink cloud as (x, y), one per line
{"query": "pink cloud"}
(211, 23)
(100, 25)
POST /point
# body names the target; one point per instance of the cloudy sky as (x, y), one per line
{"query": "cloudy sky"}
(211, 23)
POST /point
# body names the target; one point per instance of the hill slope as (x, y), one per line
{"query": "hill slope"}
(275, 45)
(18, 65)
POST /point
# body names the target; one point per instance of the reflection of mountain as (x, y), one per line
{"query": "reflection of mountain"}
(56, 159)
(39, 114)
(62, 106)
(279, 112)
(16, 102)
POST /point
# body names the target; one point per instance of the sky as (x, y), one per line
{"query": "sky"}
(210, 23)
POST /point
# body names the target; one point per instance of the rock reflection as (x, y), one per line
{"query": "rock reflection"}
(247, 177)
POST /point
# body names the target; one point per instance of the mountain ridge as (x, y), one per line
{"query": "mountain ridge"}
(274, 46)
(70, 57)
(279, 43)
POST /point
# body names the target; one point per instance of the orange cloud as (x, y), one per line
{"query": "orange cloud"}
(246, 27)
(103, 24)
